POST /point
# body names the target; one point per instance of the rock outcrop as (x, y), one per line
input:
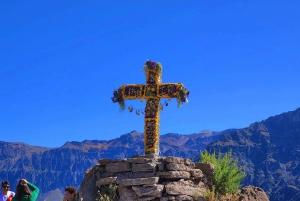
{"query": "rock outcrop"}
(252, 193)
(148, 178)
(153, 178)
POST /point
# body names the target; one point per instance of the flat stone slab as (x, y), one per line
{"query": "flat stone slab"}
(132, 175)
(174, 175)
(172, 159)
(118, 167)
(183, 188)
(140, 160)
(207, 168)
(146, 167)
(103, 161)
(138, 181)
(106, 181)
(146, 156)
(118, 160)
(177, 167)
(154, 190)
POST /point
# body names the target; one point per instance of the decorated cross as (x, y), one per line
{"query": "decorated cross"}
(153, 91)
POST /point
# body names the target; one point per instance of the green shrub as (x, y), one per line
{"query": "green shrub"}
(227, 175)
(108, 192)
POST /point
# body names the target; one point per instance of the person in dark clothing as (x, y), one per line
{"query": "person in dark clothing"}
(71, 194)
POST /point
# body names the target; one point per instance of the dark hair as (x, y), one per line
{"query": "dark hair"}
(5, 182)
(22, 189)
(71, 189)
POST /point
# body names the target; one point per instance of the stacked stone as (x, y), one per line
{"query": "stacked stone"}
(149, 177)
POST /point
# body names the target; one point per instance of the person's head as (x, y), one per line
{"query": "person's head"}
(70, 191)
(5, 187)
(22, 189)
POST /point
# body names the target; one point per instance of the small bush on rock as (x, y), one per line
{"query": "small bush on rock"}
(227, 175)
(108, 192)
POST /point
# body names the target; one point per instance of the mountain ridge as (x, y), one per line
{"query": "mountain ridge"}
(55, 168)
(270, 152)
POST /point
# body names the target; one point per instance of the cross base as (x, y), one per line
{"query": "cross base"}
(151, 153)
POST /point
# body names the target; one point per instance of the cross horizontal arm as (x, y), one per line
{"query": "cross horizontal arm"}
(139, 91)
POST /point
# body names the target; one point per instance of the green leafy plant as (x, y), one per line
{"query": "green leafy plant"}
(108, 192)
(227, 175)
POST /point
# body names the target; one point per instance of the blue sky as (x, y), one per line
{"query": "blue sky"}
(61, 60)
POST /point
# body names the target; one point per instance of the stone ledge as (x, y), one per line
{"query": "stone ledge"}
(106, 181)
(118, 167)
(207, 168)
(138, 181)
(154, 190)
(174, 175)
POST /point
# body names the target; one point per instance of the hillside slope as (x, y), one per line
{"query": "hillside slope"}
(270, 152)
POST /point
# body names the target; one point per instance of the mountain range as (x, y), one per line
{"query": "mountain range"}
(52, 169)
(269, 150)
